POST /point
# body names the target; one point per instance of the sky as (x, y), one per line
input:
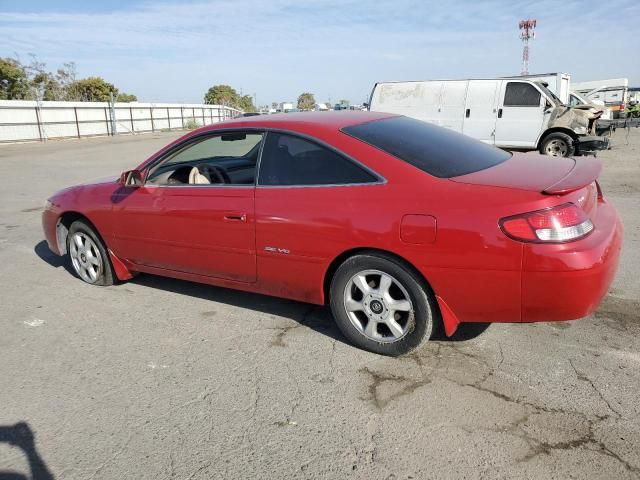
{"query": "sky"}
(173, 51)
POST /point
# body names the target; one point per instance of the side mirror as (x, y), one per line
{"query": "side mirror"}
(132, 178)
(547, 105)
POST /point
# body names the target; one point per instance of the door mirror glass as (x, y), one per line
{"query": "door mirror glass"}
(132, 178)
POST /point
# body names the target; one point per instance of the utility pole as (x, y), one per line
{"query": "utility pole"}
(527, 32)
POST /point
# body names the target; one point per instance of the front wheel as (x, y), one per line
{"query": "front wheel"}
(88, 255)
(382, 306)
(557, 145)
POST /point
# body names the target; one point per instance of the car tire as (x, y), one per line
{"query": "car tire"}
(364, 305)
(558, 144)
(88, 255)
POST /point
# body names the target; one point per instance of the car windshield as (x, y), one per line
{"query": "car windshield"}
(435, 150)
(549, 93)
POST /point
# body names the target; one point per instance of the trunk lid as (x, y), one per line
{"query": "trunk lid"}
(538, 173)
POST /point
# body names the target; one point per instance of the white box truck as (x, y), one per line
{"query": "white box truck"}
(510, 113)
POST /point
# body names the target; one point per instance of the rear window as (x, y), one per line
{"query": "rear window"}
(435, 150)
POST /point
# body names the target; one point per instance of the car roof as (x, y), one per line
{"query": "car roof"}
(303, 120)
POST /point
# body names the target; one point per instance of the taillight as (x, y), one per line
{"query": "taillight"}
(563, 223)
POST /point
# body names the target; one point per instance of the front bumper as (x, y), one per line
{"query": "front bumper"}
(590, 144)
(55, 233)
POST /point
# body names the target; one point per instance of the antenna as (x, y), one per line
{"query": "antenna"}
(527, 32)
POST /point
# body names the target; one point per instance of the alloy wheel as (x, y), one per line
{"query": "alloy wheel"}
(85, 257)
(379, 306)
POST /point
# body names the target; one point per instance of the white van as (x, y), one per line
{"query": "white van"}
(509, 113)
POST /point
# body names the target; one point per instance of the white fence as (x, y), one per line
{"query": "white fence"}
(22, 120)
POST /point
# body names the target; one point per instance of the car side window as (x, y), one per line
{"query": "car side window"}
(290, 160)
(519, 94)
(220, 159)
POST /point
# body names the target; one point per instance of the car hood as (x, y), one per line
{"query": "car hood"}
(539, 173)
(99, 181)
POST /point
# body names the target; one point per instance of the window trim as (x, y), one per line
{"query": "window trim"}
(504, 96)
(380, 180)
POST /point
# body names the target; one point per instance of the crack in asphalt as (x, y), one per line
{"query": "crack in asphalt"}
(536, 447)
(582, 377)
(380, 378)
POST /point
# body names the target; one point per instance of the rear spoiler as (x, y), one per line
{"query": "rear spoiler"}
(585, 171)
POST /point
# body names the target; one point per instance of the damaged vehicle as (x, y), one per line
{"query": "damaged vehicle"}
(513, 114)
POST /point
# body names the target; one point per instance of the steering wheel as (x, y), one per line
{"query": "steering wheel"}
(214, 173)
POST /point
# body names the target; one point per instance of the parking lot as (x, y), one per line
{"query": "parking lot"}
(160, 378)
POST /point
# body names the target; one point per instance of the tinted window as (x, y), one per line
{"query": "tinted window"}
(438, 151)
(291, 160)
(519, 94)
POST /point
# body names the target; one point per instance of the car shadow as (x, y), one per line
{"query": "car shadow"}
(316, 317)
(42, 251)
(21, 436)
(466, 332)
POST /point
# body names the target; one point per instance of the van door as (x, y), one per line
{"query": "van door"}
(520, 115)
(480, 111)
(452, 101)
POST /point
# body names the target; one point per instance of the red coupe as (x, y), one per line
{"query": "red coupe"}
(404, 228)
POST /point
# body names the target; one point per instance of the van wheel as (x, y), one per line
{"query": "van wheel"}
(558, 145)
(381, 306)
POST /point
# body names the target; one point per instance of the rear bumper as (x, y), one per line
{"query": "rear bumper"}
(557, 281)
(568, 281)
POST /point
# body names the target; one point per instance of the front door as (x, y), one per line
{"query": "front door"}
(520, 115)
(195, 213)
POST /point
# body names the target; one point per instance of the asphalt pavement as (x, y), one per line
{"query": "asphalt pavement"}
(160, 378)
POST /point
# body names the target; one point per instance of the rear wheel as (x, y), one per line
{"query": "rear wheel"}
(88, 255)
(381, 306)
(557, 145)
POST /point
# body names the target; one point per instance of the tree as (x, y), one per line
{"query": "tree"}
(245, 103)
(14, 83)
(126, 98)
(221, 95)
(306, 101)
(94, 89)
(66, 78)
(34, 82)
(228, 96)
(46, 84)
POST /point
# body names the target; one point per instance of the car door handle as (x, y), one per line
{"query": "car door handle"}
(468, 112)
(236, 217)
(499, 113)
